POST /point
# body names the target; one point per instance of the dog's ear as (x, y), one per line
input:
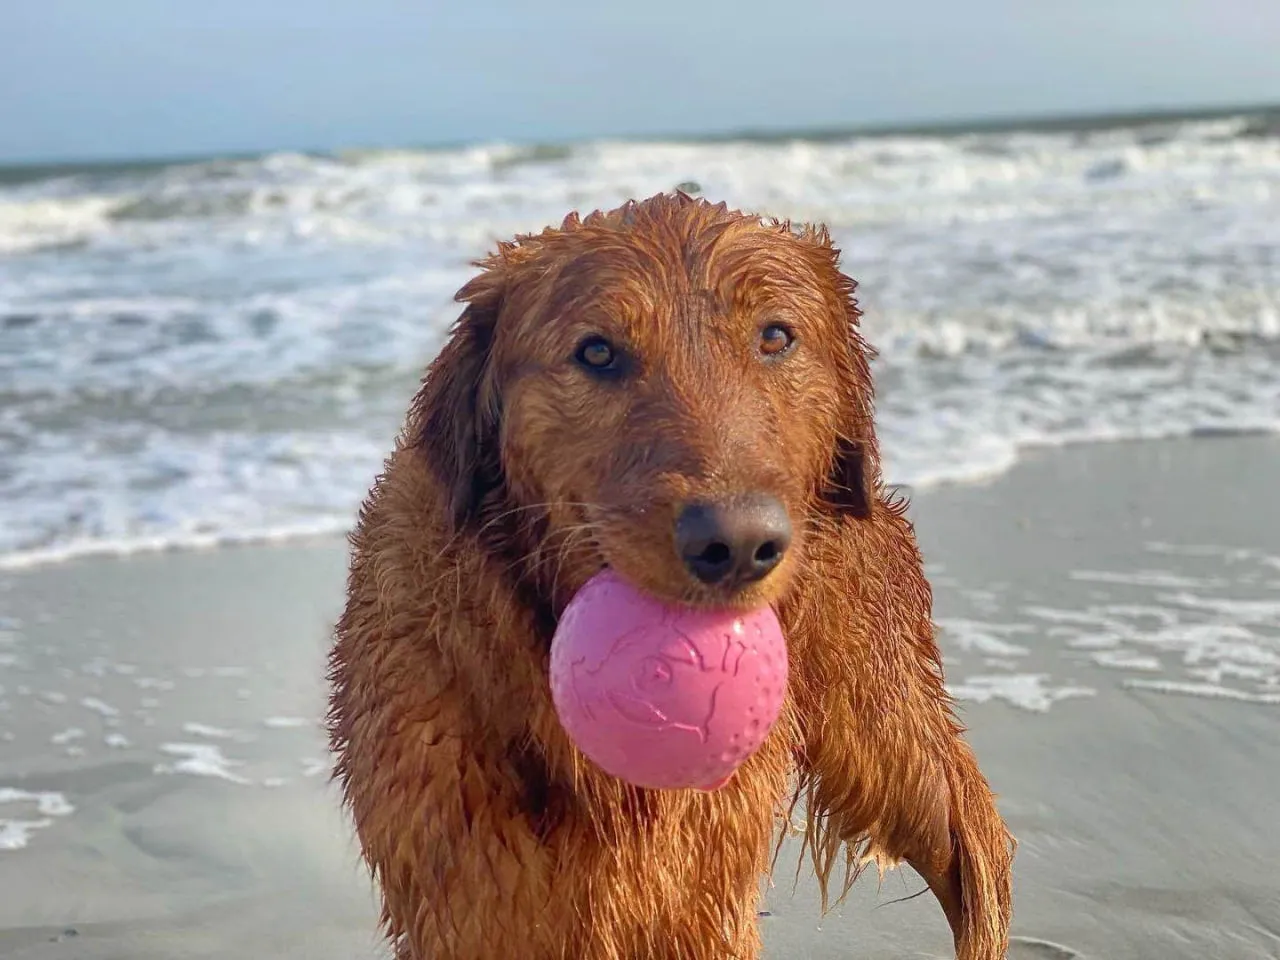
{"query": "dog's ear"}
(855, 477)
(458, 411)
(853, 484)
(855, 480)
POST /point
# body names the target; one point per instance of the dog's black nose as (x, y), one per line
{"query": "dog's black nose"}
(733, 542)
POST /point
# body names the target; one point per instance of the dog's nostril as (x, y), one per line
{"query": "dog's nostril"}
(716, 554)
(767, 552)
(734, 542)
(711, 562)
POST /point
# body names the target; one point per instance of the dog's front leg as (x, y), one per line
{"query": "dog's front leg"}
(897, 783)
(885, 771)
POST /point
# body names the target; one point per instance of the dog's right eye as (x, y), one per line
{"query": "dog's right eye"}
(597, 353)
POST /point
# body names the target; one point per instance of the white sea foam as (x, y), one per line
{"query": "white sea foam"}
(1027, 691)
(1211, 691)
(1126, 660)
(974, 636)
(99, 707)
(282, 723)
(204, 730)
(219, 352)
(1214, 635)
(16, 832)
(200, 760)
(1147, 578)
(124, 546)
(154, 683)
(312, 767)
(213, 733)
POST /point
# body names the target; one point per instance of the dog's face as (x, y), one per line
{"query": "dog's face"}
(676, 390)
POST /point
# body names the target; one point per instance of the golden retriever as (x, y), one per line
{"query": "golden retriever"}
(606, 381)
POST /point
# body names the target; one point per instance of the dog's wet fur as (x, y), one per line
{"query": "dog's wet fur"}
(681, 392)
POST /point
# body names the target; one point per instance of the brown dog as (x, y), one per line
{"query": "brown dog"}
(680, 392)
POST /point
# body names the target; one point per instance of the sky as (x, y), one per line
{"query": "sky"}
(100, 79)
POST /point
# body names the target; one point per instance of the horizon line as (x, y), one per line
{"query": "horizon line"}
(1057, 121)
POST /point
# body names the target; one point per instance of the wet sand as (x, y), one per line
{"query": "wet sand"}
(1111, 622)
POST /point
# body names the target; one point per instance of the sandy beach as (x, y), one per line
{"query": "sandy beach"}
(1111, 620)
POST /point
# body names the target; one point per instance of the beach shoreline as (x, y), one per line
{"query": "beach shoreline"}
(1110, 625)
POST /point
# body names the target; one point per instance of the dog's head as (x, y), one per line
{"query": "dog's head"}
(673, 389)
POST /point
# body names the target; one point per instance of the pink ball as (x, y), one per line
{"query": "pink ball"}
(661, 696)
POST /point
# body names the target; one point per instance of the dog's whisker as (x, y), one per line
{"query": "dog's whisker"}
(566, 549)
(547, 505)
(531, 562)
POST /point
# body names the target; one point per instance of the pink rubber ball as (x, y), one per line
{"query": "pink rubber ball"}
(665, 697)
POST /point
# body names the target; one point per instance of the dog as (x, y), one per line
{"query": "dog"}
(611, 384)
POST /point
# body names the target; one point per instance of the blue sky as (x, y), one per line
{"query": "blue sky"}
(127, 78)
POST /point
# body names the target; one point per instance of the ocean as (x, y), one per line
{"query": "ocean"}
(222, 349)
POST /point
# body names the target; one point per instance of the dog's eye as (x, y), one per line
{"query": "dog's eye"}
(597, 353)
(775, 340)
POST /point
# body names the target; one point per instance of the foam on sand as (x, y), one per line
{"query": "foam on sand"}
(1216, 635)
(1027, 691)
(975, 636)
(286, 723)
(200, 760)
(15, 833)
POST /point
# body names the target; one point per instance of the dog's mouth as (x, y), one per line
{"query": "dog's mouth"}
(643, 553)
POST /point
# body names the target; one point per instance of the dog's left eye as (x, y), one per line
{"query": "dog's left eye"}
(597, 353)
(775, 340)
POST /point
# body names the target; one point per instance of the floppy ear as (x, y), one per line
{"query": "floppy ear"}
(457, 411)
(855, 479)
(853, 486)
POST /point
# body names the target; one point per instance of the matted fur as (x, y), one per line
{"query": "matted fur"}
(516, 477)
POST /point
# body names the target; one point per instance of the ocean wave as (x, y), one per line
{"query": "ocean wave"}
(175, 492)
(199, 352)
(340, 336)
(846, 181)
(87, 548)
